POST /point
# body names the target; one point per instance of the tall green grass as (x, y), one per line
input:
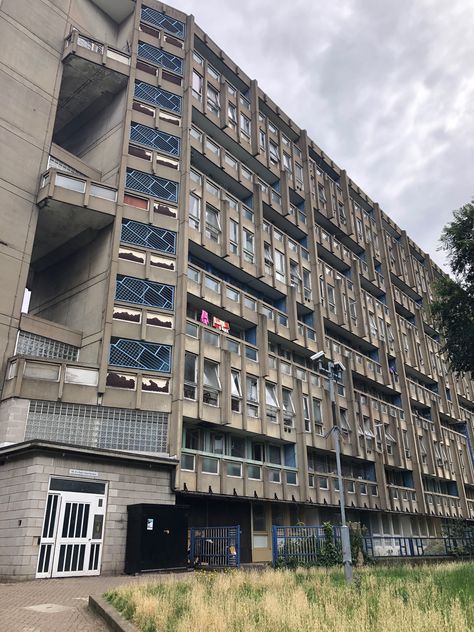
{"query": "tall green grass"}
(399, 599)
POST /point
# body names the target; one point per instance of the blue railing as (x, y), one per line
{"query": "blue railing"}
(393, 546)
(215, 547)
(300, 544)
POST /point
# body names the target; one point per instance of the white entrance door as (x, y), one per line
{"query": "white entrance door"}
(72, 537)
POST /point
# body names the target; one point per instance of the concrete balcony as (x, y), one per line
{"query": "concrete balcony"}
(72, 210)
(93, 74)
(52, 380)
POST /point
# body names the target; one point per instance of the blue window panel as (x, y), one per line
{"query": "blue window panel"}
(160, 57)
(136, 354)
(140, 292)
(162, 21)
(152, 185)
(149, 236)
(166, 143)
(158, 96)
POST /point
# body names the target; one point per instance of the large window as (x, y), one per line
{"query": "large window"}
(211, 383)
(233, 237)
(213, 227)
(213, 104)
(248, 246)
(236, 392)
(288, 408)
(280, 266)
(194, 211)
(317, 416)
(252, 396)
(197, 86)
(271, 401)
(190, 375)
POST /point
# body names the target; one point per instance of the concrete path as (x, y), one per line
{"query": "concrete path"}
(60, 605)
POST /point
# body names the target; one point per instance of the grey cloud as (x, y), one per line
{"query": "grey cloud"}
(385, 88)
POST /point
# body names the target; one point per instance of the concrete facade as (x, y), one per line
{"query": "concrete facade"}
(188, 249)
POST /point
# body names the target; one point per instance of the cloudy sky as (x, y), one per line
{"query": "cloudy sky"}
(384, 87)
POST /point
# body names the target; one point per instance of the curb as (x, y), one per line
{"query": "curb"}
(112, 618)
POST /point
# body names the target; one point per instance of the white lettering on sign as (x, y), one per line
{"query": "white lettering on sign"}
(85, 473)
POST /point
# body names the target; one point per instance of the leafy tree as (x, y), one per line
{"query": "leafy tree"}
(453, 306)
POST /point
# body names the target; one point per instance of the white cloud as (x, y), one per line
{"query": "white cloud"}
(384, 88)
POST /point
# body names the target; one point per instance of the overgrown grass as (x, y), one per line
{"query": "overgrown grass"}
(402, 599)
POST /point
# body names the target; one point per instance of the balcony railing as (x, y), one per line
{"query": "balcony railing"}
(77, 40)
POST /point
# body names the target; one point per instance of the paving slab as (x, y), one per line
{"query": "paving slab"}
(61, 605)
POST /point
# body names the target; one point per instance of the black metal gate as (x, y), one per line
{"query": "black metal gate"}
(215, 547)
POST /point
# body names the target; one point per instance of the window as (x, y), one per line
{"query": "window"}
(233, 236)
(274, 454)
(306, 414)
(211, 383)
(213, 227)
(307, 291)
(248, 246)
(213, 100)
(250, 303)
(252, 396)
(212, 284)
(213, 72)
(299, 173)
(209, 465)
(280, 273)
(194, 211)
(262, 138)
(194, 274)
(342, 213)
(191, 329)
(232, 115)
(212, 147)
(274, 152)
(317, 416)
(254, 472)
(190, 375)
(234, 469)
(245, 126)
(211, 338)
(187, 462)
(288, 408)
(352, 309)
(372, 324)
(216, 443)
(196, 134)
(291, 478)
(232, 162)
(197, 86)
(274, 476)
(287, 162)
(331, 296)
(344, 420)
(236, 392)
(323, 482)
(271, 400)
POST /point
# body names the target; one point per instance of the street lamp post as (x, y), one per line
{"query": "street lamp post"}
(334, 372)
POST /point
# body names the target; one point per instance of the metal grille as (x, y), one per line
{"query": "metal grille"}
(158, 96)
(149, 236)
(160, 57)
(165, 22)
(141, 292)
(136, 354)
(152, 185)
(97, 426)
(215, 547)
(301, 544)
(40, 347)
(166, 143)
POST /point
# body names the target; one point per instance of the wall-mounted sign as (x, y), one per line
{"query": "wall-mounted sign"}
(149, 524)
(85, 473)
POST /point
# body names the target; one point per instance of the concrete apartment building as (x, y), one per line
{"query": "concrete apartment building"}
(188, 248)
